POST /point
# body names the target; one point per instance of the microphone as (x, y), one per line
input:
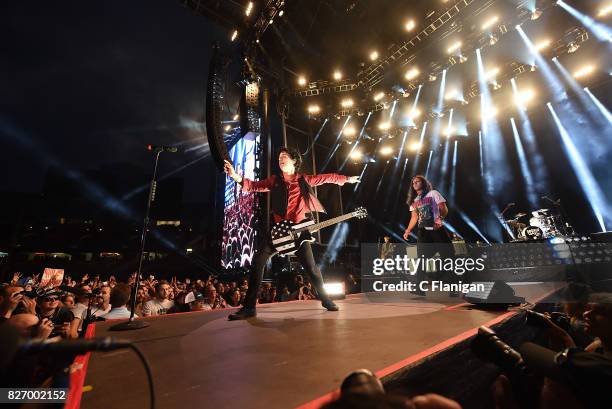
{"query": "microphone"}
(160, 148)
(77, 347)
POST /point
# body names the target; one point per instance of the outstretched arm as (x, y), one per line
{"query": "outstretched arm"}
(316, 180)
(248, 185)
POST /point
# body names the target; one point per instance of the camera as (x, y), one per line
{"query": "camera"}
(487, 346)
(34, 293)
(537, 319)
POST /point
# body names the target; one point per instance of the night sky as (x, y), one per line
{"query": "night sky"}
(87, 84)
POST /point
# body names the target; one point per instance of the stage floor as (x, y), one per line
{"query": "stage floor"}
(293, 354)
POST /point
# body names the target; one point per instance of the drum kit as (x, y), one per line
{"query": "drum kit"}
(541, 224)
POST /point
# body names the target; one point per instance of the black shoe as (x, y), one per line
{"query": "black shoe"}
(243, 314)
(330, 305)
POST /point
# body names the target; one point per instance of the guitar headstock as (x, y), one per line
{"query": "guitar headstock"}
(360, 212)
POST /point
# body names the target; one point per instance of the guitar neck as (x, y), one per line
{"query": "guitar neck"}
(327, 223)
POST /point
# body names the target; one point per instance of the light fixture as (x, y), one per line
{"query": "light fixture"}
(490, 22)
(533, 68)
(496, 85)
(249, 8)
(523, 97)
(234, 35)
(492, 73)
(386, 150)
(490, 112)
(337, 75)
(572, 47)
(280, 13)
(236, 117)
(452, 94)
(462, 58)
(415, 146)
(605, 11)
(456, 46)
(349, 131)
(379, 96)
(384, 126)
(410, 25)
(347, 103)
(493, 39)
(542, 45)
(313, 109)
(356, 154)
(536, 13)
(448, 132)
(374, 55)
(302, 80)
(584, 71)
(414, 113)
(227, 128)
(432, 77)
(412, 73)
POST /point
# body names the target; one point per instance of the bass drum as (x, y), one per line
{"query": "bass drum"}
(533, 233)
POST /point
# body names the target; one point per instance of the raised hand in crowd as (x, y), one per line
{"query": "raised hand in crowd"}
(16, 278)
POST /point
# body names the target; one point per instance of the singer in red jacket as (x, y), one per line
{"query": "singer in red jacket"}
(292, 198)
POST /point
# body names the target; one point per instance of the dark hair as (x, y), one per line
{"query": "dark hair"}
(412, 194)
(120, 295)
(294, 154)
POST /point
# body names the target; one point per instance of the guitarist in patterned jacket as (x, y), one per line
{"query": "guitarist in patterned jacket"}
(291, 198)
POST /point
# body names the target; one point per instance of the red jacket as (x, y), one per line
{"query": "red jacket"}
(296, 204)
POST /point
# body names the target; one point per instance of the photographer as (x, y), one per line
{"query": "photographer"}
(64, 323)
(598, 323)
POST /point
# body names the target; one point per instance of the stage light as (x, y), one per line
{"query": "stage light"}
(337, 75)
(584, 71)
(384, 126)
(412, 73)
(314, 109)
(489, 113)
(374, 55)
(452, 94)
(349, 131)
(496, 85)
(249, 8)
(490, 22)
(532, 68)
(605, 11)
(379, 96)
(346, 103)
(227, 128)
(492, 73)
(415, 146)
(356, 154)
(414, 113)
(462, 58)
(302, 81)
(535, 14)
(432, 77)
(456, 46)
(523, 97)
(280, 13)
(493, 39)
(448, 132)
(410, 25)
(386, 150)
(236, 117)
(271, 21)
(572, 47)
(542, 45)
(234, 35)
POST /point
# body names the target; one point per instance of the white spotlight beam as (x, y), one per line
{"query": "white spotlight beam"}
(604, 111)
(599, 30)
(596, 197)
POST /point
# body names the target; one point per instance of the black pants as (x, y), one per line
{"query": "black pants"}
(266, 251)
(430, 242)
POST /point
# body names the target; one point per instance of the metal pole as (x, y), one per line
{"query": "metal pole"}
(132, 323)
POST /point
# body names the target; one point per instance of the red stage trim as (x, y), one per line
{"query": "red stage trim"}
(78, 370)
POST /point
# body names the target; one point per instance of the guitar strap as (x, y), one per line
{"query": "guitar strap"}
(308, 194)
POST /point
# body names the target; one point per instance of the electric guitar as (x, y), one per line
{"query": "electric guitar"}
(287, 237)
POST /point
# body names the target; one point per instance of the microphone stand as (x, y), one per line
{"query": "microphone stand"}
(132, 323)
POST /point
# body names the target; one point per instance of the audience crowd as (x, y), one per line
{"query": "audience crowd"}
(573, 361)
